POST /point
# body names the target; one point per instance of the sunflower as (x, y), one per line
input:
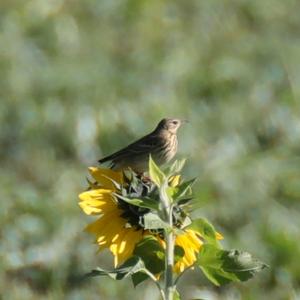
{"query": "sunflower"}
(111, 230)
(119, 226)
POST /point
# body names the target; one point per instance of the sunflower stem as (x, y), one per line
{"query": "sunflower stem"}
(169, 286)
(169, 238)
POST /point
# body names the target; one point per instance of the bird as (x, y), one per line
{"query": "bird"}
(161, 144)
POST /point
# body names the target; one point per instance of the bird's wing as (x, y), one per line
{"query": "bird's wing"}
(142, 146)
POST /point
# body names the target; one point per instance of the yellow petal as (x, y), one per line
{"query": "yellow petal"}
(97, 201)
(174, 180)
(88, 209)
(116, 244)
(107, 225)
(96, 194)
(191, 244)
(179, 267)
(104, 176)
(123, 247)
(219, 236)
(193, 237)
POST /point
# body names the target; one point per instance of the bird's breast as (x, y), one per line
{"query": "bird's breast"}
(167, 151)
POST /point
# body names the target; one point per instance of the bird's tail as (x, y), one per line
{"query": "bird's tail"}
(105, 159)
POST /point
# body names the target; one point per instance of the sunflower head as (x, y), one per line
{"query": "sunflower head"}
(128, 206)
(145, 222)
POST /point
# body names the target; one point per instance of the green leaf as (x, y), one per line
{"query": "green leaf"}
(133, 265)
(178, 253)
(184, 201)
(138, 278)
(153, 256)
(171, 191)
(176, 167)
(156, 175)
(176, 295)
(223, 266)
(185, 188)
(153, 221)
(143, 202)
(206, 230)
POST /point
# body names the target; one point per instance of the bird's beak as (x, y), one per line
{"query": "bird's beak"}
(184, 121)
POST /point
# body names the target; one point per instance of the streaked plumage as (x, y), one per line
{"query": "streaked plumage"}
(160, 143)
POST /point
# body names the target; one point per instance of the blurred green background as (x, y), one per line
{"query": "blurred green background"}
(79, 79)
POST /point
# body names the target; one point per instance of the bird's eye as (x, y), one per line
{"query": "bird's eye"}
(175, 122)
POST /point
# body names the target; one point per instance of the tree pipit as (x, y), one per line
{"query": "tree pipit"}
(161, 144)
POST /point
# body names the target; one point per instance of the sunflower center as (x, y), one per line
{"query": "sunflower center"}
(133, 214)
(138, 188)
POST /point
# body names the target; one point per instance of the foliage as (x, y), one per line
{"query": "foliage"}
(223, 266)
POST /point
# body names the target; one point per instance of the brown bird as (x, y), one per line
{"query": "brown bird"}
(161, 143)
